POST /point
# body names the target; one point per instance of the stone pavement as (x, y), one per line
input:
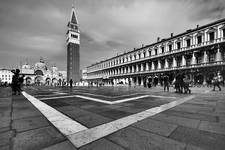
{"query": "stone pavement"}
(198, 124)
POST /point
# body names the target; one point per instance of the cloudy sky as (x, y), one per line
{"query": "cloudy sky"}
(30, 29)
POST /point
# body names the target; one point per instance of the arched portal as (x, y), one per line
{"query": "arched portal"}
(48, 81)
(28, 80)
(54, 81)
(38, 80)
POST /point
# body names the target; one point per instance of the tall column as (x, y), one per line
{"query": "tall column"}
(132, 69)
(128, 69)
(218, 55)
(174, 62)
(193, 60)
(159, 64)
(153, 65)
(183, 61)
(142, 67)
(142, 81)
(205, 57)
(137, 68)
(147, 66)
(166, 64)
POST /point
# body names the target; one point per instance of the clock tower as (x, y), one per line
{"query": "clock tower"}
(73, 48)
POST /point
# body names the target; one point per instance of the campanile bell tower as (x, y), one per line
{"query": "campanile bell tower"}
(73, 48)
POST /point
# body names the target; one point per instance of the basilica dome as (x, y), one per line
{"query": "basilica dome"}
(40, 65)
(26, 66)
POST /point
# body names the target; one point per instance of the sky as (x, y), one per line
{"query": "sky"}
(31, 29)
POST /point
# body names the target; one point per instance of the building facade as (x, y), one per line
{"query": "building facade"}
(41, 74)
(73, 48)
(6, 76)
(199, 53)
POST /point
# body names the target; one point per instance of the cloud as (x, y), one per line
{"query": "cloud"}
(31, 28)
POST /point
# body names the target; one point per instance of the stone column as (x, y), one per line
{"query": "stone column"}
(218, 55)
(193, 60)
(137, 68)
(147, 67)
(153, 65)
(142, 67)
(128, 69)
(205, 57)
(159, 64)
(142, 81)
(183, 61)
(174, 62)
(132, 69)
(166, 64)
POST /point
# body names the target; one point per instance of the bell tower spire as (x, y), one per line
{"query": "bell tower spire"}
(73, 48)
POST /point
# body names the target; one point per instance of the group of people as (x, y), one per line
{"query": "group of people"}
(17, 82)
(182, 83)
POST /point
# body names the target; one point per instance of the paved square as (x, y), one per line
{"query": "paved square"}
(112, 118)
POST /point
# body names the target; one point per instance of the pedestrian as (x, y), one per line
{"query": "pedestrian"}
(216, 81)
(15, 82)
(20, 83)
(166, 82)
(186, 84)
(71, 83)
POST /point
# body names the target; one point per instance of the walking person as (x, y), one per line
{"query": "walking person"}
(71, 83)
(216, 81)
(166, 82)
(20, 83)
(15, 82)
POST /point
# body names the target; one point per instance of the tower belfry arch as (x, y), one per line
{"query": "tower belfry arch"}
(73, 47)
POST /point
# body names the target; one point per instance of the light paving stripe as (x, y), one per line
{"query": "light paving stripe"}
(89, 135)
(104, 101)
(63, 123)
(94, 99)
(58, 97)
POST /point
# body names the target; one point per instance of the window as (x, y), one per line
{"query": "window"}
(162, 48)
(144, 53)
(211, 36)
(155, 51)
(188, 41)
(178, 45)
(74, 36)
(139, 55)
(199, 39)
(170, 47)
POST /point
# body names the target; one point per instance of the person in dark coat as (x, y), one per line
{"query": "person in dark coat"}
(15, 81)
(20, 84)
(71, 83)
(166, 82)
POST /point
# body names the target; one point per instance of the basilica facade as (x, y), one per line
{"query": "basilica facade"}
(198, 52)
(41, 74)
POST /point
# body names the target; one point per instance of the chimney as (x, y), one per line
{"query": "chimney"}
(171, 34)
(197, 25)
(158, 39)
(142, 45)
(134, 49)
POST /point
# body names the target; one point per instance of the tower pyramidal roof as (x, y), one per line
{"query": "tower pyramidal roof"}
(73, 16)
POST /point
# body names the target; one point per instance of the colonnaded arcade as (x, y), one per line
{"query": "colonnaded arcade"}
(199, 53)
